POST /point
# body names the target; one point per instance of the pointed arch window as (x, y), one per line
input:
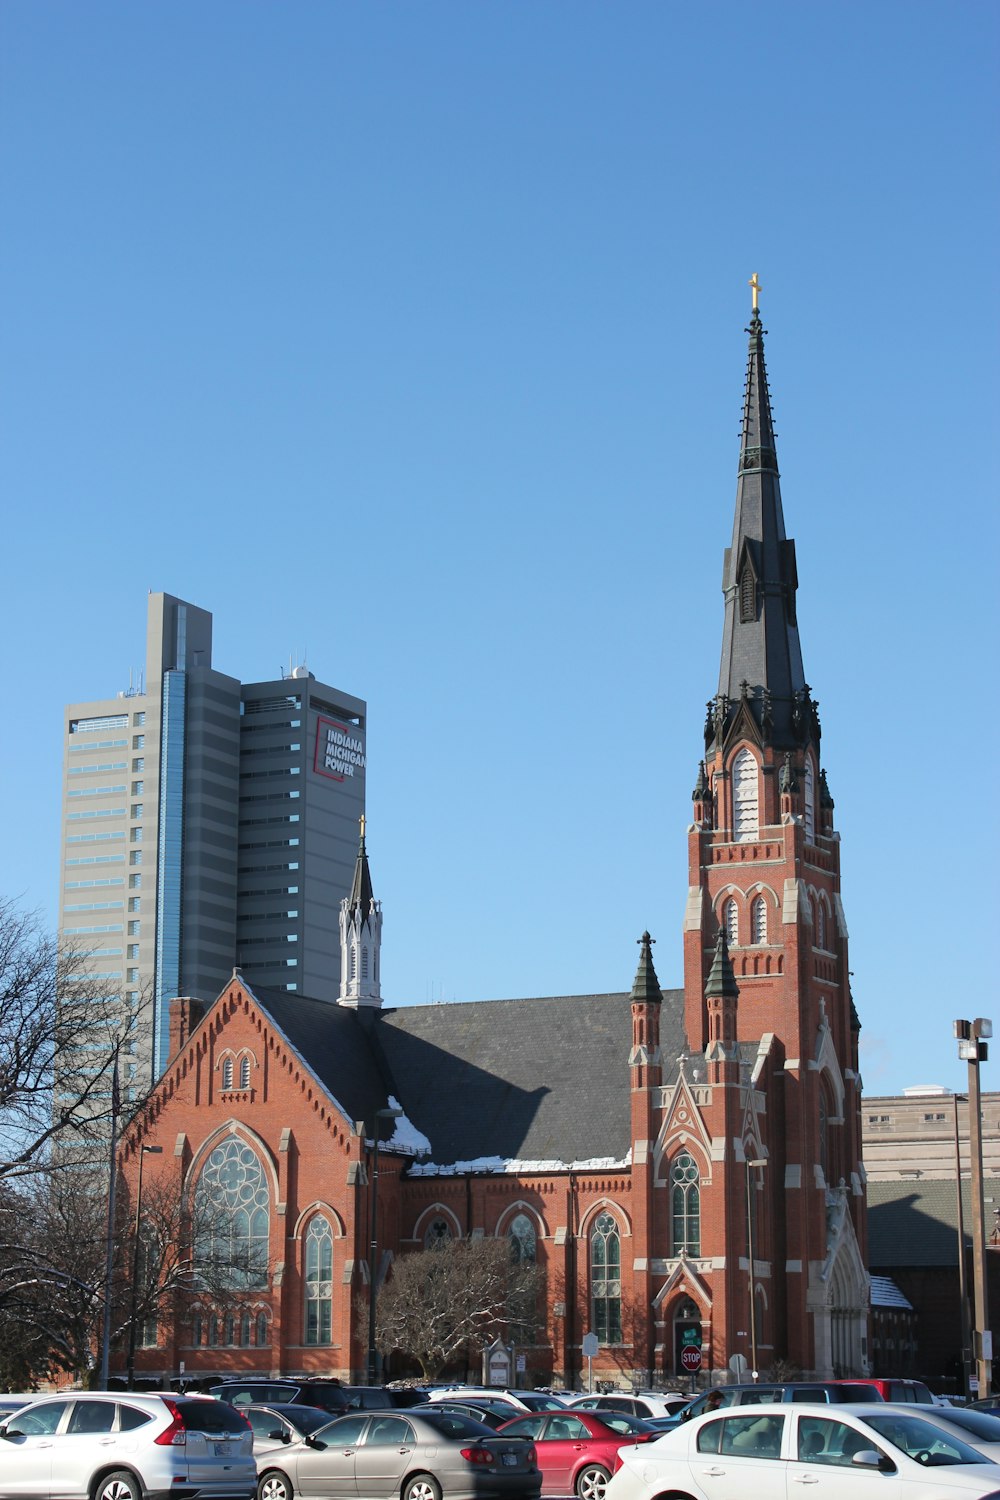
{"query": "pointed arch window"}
(262, 1338)
(364, 962)
(319, 1281)
(246, 1324)
(523, 1240)
(748, 595)
(354, 962)
(197, 1328)
(227, 1073)
(685, 1206)
(438, 1232)
(731, 922)
(809, 801)
(746, 818)
(244, 1072)
(820, 923)
(232, 1210)
(521, 1320)
(758, 921)
(606, 1280)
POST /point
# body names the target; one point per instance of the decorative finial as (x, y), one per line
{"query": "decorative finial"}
(754, 285)
(361, 820)
(646, 939)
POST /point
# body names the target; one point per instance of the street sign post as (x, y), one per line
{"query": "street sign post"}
(691, 1358)
(590, 1347)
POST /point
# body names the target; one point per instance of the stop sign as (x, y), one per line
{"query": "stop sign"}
(691, 1358)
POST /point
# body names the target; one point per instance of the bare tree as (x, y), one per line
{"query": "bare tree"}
(61, 1036)
(458, 1296)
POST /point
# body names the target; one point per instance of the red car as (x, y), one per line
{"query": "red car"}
(578, 1450)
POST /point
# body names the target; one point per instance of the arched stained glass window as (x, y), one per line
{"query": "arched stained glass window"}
(758, 920)
(232, 1216)
(197, 1327)
(319, 1281)
(522, 1296)
(746, 818)
(262, 1335)
(438, 1232)
(606, 1280)
(246, 1324)
(523, 1240)
(685, 1206)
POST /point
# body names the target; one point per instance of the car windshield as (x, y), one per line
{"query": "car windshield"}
(622, 1421)
(979, 1423)
(925, 1441)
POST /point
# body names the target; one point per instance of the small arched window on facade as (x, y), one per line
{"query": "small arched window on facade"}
(364, 962)
(319, 1281)
(809, 800)
(244, 1072)
(820, 933)
(438, 1232)
(354, 962)
(229, 1330)
(746, 813)
(262, 1338)
(197, 1327)
(523, 1240)
(606, 1280)
(748, 595)
(758, 921)
(227, 1073)
(731, 922)
(246, 1326)
(685, 1206)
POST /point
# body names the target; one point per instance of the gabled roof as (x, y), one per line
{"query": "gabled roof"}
(540, 1080)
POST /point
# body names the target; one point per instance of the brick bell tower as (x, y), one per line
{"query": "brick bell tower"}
(764, 871)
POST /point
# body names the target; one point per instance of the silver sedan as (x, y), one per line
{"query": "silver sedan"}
(413, 1455)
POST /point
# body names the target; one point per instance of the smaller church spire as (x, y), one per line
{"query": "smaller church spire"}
(361, 937)
(721, 979)
(646, 986)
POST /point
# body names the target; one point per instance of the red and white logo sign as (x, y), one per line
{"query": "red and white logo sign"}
(691, 1358)
(340, 751)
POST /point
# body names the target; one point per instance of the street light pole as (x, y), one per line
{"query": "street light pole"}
(972, 1046)
(391, 1112)
(757, 1162)
(144, 1151)
(963, 1295)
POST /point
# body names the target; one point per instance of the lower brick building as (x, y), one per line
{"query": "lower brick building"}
(684, 1165)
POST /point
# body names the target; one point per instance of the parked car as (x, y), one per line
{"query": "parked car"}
(844, 1452)
(420, 1454)
(890, 1390)
(494, 1411)
(13, 1401)
(521, 1400)
(279, 1424)
(329, 1394)
(651, 1405)
(578, 1450)
(116, 1446)
(792, 1390)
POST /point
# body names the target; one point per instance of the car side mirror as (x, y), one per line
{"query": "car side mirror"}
(870, 1458)
(10, 1432)
(277, 1435)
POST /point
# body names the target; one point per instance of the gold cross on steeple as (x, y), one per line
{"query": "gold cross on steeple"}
(361, 820)
(754, 288)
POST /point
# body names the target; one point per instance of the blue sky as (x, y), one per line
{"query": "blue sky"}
(410, 336)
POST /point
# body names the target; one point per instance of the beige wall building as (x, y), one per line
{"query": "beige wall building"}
(912, 1134)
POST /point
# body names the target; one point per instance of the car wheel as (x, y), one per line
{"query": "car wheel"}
(421, 1487)
(274, 1486)
(121, 1485)
(591, 1482)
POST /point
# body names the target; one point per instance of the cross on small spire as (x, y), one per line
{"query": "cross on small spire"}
(754, 285)
(361, 820)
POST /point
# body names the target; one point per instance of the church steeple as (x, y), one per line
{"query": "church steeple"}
(761, 657)
(360, 938)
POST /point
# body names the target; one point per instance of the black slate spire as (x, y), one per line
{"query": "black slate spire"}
(761, 656)
(646, 986)
(362, 894)
(721, 979)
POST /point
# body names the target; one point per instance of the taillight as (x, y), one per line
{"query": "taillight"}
(174, 1436)
(478, 1456)
(532, 1454)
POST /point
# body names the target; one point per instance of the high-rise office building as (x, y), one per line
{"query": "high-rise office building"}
(207, 824)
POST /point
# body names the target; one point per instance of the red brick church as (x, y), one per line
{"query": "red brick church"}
(684, 1165)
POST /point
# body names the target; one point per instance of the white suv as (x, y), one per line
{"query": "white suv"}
(96, 1445)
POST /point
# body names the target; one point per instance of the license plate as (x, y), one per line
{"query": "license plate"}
(509, 1459)
(221, 1449)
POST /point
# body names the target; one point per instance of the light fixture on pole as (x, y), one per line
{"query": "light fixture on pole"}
(963, 1295)
(754, 1163)
(972, 1039)
(144, 1151)
(390, 1112)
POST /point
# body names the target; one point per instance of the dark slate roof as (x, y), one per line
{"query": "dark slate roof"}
(914, 1222)
(362, 894)
(528, 1080)
(765, 651)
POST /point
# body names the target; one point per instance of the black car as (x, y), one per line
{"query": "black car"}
(328, 1394)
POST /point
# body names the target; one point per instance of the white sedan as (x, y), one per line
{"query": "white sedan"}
(775, 1451)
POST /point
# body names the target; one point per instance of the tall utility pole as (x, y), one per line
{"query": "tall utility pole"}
(972, 1046)
(963, 1293)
